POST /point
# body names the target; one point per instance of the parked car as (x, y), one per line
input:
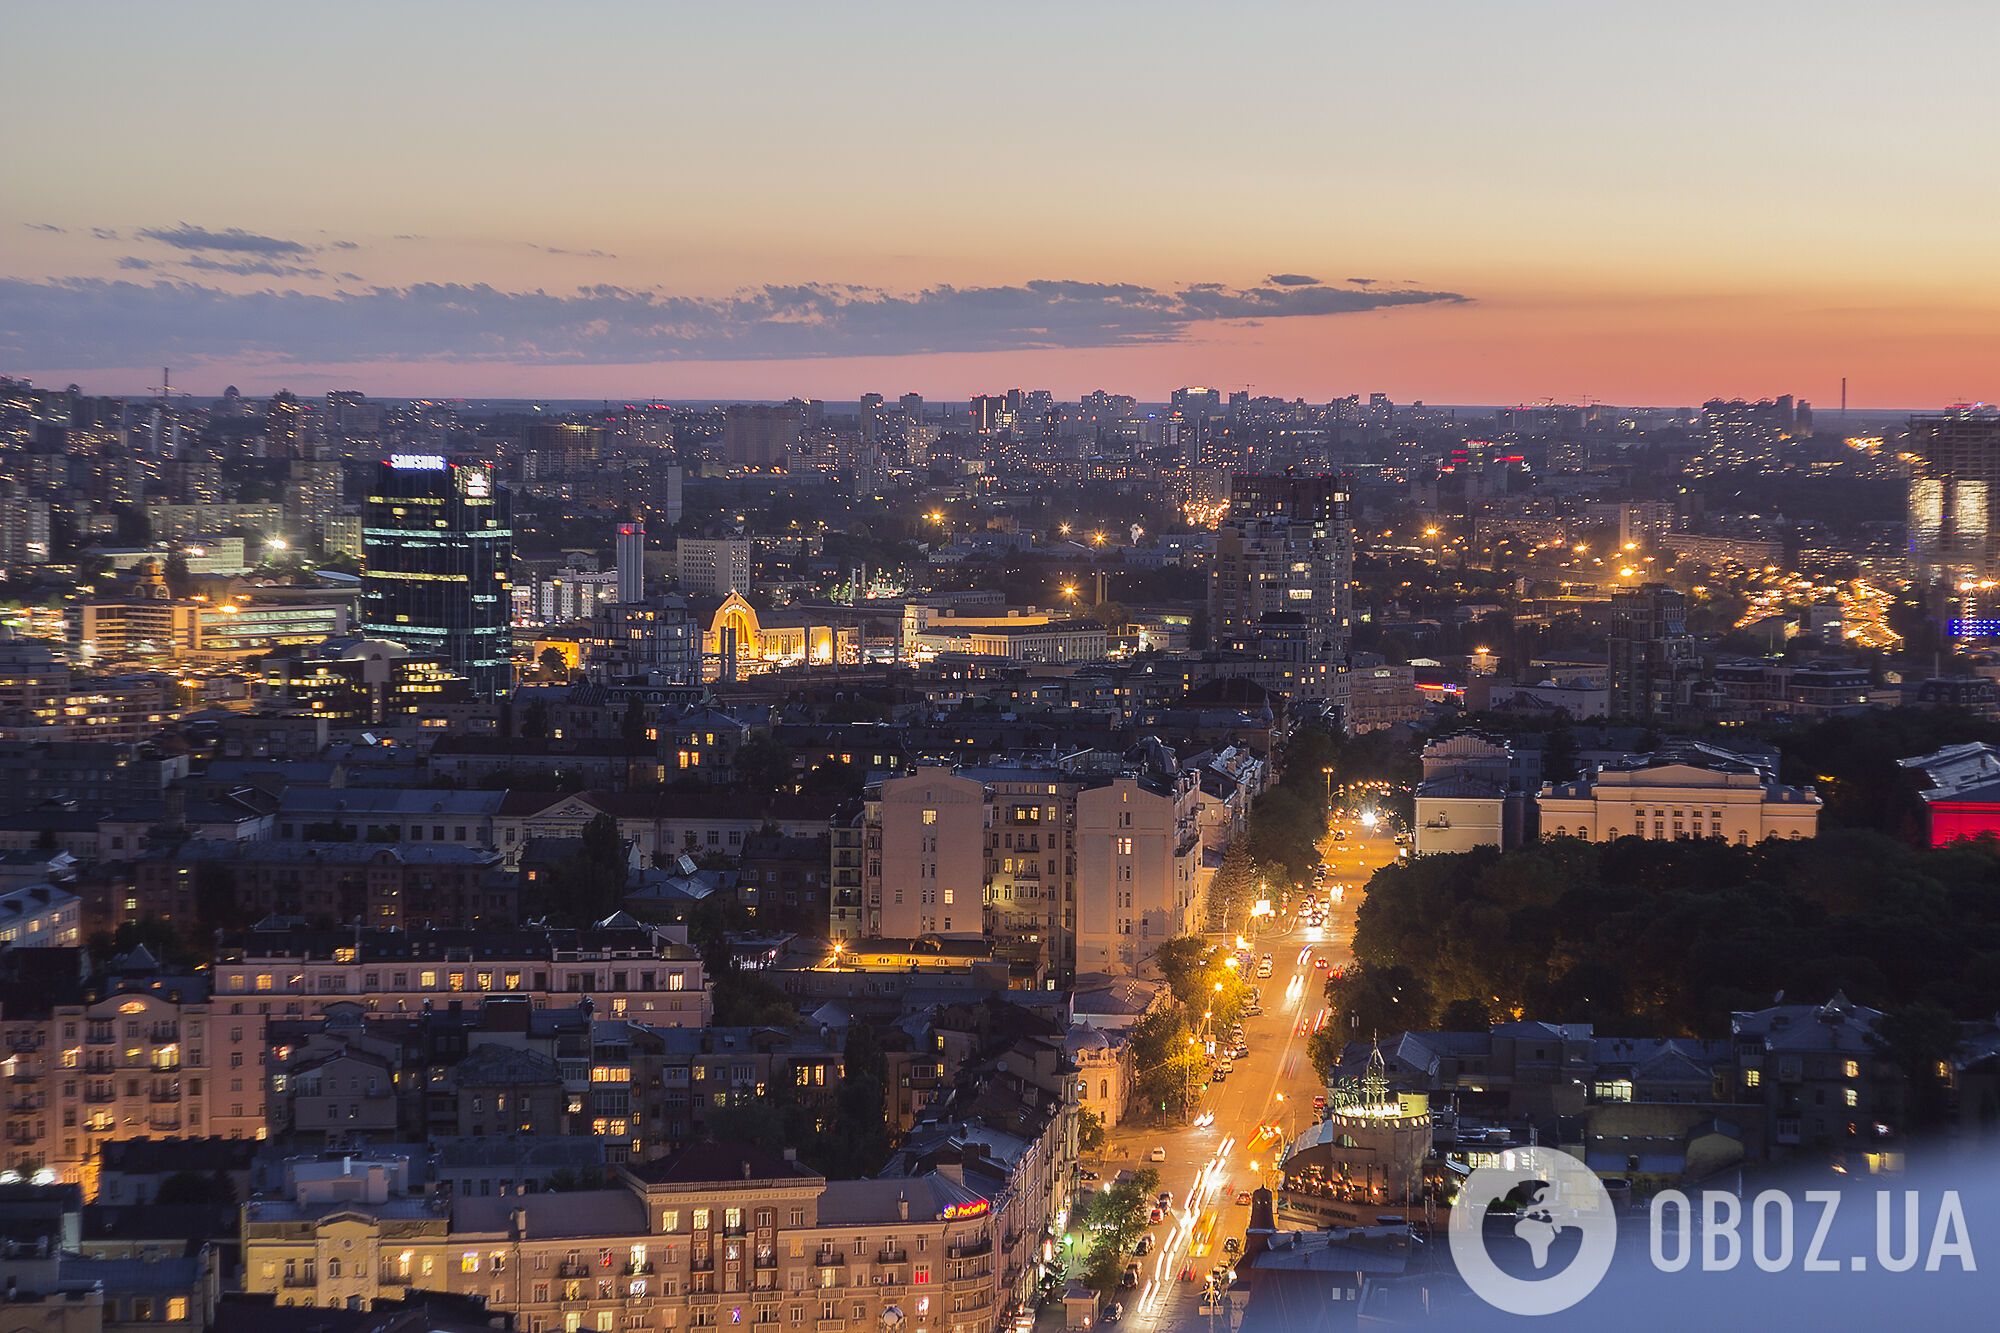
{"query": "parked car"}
(1113, 1312)
(1131, 1274)
(1145, 1244)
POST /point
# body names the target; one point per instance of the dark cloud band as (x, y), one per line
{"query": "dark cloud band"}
(86, 322)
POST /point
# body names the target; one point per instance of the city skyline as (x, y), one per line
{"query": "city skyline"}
(1459, 206)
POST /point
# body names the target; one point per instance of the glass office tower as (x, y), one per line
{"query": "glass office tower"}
(436, 540)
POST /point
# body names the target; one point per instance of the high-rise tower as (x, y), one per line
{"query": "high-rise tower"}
(436, 540)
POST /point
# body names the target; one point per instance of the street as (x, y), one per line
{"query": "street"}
(1207, 1166)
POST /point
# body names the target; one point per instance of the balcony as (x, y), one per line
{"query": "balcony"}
(701, 1263)
(829, 1259)
(702, 1297)
(829, 1325)
(164, 1124)
(306, 1280)
(893, 1257)
(164, 1096)
(638, 1270)
(766, 1259)
(973, 1250)
(573, 1270)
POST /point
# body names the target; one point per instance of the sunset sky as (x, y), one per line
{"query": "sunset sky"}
(1480, 202)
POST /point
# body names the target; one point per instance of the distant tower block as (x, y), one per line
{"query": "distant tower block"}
(632, 561)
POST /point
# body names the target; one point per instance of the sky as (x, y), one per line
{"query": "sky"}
(1459, 201)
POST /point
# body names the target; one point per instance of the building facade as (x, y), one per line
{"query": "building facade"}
(437, 543)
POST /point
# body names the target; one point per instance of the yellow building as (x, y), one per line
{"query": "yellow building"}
(737, 633)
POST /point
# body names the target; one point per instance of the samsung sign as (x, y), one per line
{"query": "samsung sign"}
(417, 462)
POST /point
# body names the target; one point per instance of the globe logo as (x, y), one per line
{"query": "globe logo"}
(1561, 1195)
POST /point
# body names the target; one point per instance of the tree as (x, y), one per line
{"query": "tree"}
(554, 666)
(1562, 760)
(184, 1187)
(1090, 1133)
(535, 721)
(633, 725)
(1167, 1060)
(589, 885)
(763, 765)
(1920, 1040)
(179, 582)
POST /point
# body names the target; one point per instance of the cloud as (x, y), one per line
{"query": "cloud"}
(87, 322)
(246, 268)
(1291, 280)
(1363, 282)
(104, 233)
(46, 226)
(134, 262)
(346, 245)
(574, 254)
(233, 240)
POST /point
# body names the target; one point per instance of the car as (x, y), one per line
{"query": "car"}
(1231, 1245)
(1113, 1313)
(1086, 1174)
(1242, 1049)
(1187, 1273)
(1130, 1277)
(1340, 835)
(1319, 1102)
(1156, 1216)
(1157, 1155)
(1145, 1244)
(1255, 1009)
(1166, 1199)
(1321, 964)
(1243, 1197)
(1220, 1075)
(1302, 1030)
(1226, 1067)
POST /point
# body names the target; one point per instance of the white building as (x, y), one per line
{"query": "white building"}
(1466, 798)
(933, 858)
(1683, 790)
(1138, 858)
(705, 568)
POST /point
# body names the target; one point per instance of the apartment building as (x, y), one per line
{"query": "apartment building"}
(647, 973)
(716, 1235)
(135, 1053)
(1138, 858)
(932, 874)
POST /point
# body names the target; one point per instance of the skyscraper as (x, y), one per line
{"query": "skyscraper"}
(436, 543)
(760, 437)
(1955, 495)
(1283, 575)
(871, 417)
(632, 561)
(1653, 661)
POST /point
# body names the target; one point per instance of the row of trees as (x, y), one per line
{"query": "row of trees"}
(1670, 937)
(1169, 1045)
